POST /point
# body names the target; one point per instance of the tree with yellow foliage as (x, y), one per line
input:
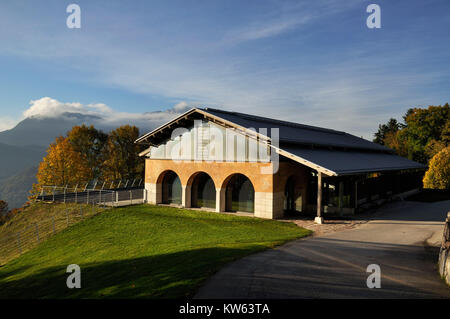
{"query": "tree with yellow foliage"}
(63, 165)
(438, 174)
(89, 141)
(121, 154)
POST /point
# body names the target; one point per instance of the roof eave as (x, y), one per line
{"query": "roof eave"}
(224, 122)
(149, 134)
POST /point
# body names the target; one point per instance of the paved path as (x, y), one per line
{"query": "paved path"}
(400, 239)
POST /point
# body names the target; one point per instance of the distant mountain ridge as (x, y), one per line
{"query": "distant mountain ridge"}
(42, 131)
(15, 189)
(23, 147)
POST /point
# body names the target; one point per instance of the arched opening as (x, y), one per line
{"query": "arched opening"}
(239, 194)
(171, 189)
(203, 193)
(293, 200)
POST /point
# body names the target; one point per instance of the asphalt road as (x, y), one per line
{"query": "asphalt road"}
(402, 238)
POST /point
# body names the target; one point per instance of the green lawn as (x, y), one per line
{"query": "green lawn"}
(140, 251)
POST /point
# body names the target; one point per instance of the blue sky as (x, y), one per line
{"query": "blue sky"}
(313, 62)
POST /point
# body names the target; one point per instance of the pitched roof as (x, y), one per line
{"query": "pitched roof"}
(338, 162)
(299, 133)
(329, 151)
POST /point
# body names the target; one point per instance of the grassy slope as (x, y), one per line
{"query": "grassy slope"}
(140, 251)
(40, 211)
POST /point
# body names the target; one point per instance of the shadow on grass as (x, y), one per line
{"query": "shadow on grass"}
(161, 276)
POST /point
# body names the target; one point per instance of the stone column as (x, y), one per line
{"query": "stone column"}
(319, 218)
(186, 196)
(153, 191)
(220, 200)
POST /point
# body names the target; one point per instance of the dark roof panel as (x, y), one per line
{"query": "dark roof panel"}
(299, 133)
(353, 162)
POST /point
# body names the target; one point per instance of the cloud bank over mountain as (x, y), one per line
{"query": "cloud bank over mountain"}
(100, 114)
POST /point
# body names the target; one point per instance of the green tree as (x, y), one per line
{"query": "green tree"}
(121, 154)
(438, 174)
(90, 142)
(423, 126)
(384, 130)
(445, 135)
(424, 133)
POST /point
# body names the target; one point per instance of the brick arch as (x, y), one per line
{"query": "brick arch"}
(192, 177)
(226, 180)
(161, 176)
(192, 195)
(153, 185)
(226, 197)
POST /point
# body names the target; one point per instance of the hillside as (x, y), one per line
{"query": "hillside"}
(15, 189)
(14, 159)
(23, 147)
(140, 252)
(42, 131)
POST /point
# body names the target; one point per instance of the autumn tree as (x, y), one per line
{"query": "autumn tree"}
(63, 165)
(121, 154)
(438, 174)
(89, 142)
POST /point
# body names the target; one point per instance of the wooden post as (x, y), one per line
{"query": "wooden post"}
(319, 218)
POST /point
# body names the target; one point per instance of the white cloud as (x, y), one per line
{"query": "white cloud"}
(48, 107)
(100, 114)
(7, 123)
(266, 30)
(355, 93)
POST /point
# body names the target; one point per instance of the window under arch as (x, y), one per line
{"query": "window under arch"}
(203, 191)
(240, 194)
(171, 189)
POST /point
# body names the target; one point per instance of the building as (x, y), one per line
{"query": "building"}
(235, 162)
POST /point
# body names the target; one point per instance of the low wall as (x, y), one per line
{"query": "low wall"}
(444, 255)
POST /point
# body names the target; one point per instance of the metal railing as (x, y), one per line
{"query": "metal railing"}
(102, 185)
(118, 197)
